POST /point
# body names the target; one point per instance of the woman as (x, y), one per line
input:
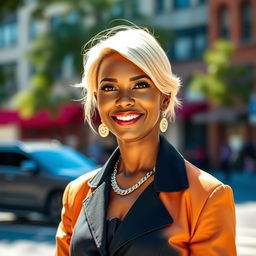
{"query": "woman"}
(147, 199)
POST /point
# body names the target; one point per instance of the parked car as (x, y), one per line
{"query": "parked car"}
(33, 176)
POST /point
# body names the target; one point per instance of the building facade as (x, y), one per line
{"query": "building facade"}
(192, 25)
(235, 21)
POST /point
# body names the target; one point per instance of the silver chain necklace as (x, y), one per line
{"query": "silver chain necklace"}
(129, 190)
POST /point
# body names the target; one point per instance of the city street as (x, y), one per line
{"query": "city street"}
(27, 238)
(246, 229)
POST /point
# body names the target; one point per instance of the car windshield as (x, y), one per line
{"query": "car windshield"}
(62, 158)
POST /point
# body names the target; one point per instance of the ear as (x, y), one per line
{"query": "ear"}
(165, 100)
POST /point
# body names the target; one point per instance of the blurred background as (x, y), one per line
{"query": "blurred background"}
(212, 47)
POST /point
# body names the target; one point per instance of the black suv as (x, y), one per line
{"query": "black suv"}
(33, 176)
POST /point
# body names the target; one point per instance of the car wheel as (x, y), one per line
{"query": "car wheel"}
(54, 207)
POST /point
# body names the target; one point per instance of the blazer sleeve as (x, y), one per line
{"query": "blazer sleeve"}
(216, 226)
(64, 230)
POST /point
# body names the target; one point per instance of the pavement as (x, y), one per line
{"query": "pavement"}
(26, 237)
(246, 229)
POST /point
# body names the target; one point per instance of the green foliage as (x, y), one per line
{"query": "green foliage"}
(224, 83)
(65, 37)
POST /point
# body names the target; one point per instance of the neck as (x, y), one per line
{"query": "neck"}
(138, 156)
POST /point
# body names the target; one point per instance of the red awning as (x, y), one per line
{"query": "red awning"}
(67, 114)
(73, 114)
(188, 109)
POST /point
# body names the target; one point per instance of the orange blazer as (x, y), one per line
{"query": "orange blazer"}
(184, 211)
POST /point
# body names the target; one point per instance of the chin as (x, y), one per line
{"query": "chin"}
(132, 137)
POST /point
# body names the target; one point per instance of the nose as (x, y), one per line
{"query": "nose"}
(124, 99)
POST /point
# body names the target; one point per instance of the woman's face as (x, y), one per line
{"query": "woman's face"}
(128, 101)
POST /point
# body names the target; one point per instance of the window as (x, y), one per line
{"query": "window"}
(134, 5)
(183, 48)
(246, 21)
(178, 4)
(11, 159)
(118, 9)
(68, 67)
(159, 6)
(202, 1)
(189, 43)
(73, 17)
(8, 32)
(200, 44)
(58, 20)
(224, 18)
(30, 1)
(33, 29)
(8, 80)
(55, 21)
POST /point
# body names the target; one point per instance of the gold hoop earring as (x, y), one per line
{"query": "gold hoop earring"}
(163, 123)
(103, 130)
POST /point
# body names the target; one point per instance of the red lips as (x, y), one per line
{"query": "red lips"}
(127, 117)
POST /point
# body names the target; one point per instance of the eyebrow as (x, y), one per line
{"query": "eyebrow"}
(109, 80)
(139, 77)
(131, 79)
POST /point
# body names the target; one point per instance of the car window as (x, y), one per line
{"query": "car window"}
(63, 158)
(12, 159)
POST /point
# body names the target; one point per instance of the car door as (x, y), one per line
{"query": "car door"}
(16, 186)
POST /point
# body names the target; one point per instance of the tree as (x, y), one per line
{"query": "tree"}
(65, 39)
(224, 83)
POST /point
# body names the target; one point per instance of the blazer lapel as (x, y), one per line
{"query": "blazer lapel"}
(141, 219)
(148, 213)
(95, 208)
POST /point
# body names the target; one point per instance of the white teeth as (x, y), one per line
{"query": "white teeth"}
(127, 118)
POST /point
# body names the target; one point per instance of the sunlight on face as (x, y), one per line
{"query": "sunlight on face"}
(128, 101)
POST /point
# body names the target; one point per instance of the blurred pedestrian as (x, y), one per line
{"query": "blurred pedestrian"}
(248, 156)
(200, 156)
(225, 160)
(146, 199)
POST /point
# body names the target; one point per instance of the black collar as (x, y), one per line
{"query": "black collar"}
(170, 174)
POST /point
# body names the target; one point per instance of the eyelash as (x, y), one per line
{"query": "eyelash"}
(108, 88)
(142, 84)
(138, 85)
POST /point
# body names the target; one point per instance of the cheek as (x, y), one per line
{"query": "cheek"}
(104, 101)
(151, 101)
(104, 105)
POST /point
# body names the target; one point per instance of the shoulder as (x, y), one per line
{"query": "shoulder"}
(203, 186)
(198, 177)
(206, 193)
(79, 186)
(83, 179)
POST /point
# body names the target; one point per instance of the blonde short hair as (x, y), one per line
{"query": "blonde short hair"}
(141, 48)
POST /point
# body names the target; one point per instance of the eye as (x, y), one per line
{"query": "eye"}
(141, 85)
(107, 88)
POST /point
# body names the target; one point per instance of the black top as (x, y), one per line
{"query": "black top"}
(140, 232)
(112, 226)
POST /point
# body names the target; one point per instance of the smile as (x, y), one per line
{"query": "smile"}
(127, 118)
